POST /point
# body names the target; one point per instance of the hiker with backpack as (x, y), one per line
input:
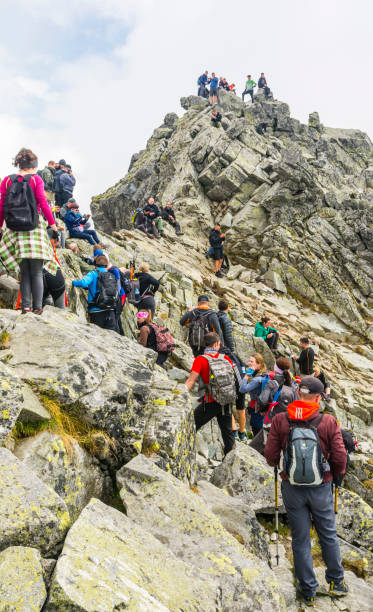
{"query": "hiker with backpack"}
(59, 169)
(306, 357)
(202, 82)
(75, 223)
(216, 242)
(155, 337)
(239, 431)
(278, 392)
(225, 324)
(314, 458)
(102, 294)
(200, 321)
(25, 242)
(251, 383)
(269, 334)
(148, 286)
(47, 174)
(215, 372)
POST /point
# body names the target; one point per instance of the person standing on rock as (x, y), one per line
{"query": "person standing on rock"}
(209, 408)
(306, 501)
(151, 210)
(202, 82)
(269, 334)
(23, 204)
(318, 373)
(306, 357)
(262, 84)
(148, 285)
(216, 242)
(256, 371)
(47, 174)
(249, 88)
(200, 321)
(214, 92)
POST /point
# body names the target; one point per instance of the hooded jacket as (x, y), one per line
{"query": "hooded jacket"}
(212, 319)
(328, 430)
(226, 328)
(262, 332)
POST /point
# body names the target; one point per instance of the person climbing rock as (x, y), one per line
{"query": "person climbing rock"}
(249, 88)
(169, 216)
(304, 500)
(262, 84)
(75, 223)
(216, 242)
(252, 384)
(200, 321)
(269, 334)
(279, 391)
(214, 92)
(317, 371)
(239, 431)
(23, 205)
(209, 407)
(202, 82)
(225, 324)
(148, 285)
(152, 211)
(306, 357)
(261, 128)
(216, 118)
(147, 335)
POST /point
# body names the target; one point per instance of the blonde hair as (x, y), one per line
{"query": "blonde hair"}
(144, 267)
(260, 361)
(316, 369)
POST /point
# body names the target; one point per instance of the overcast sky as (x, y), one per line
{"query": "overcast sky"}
(89, 80)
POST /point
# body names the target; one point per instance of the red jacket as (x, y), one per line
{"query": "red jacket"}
(328, 430)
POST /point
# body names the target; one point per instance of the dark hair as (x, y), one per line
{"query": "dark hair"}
(223, 305)
(284, 364)
(211, 338)
(264, 320)
(25, 158)
(101, 260)
(305, 340)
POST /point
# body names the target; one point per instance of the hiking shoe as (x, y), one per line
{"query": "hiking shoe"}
(308, 600)
(26, 310)
(219, 274)
(235, 434)
(38, 311)
(242, 436)
(338, 589)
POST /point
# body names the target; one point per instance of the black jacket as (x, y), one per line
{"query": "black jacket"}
(168, 212)
(153, 208)
(262, 82)
(226, 328)
(215, 239)
(305, 361)
(146, 281)
(212, 319)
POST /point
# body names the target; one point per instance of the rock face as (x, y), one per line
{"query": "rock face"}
(22, 585)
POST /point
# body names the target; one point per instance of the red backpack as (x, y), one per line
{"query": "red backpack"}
(165, 342)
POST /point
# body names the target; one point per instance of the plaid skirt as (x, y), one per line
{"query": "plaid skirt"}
(35, 244)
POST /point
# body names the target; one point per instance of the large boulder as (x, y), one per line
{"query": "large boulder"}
(32, 514)
(22, 587)
(161, 504)
(355, 520)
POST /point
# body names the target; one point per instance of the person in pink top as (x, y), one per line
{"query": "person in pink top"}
(30, 250)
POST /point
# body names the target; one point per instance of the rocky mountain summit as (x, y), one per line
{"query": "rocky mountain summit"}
(109, 500)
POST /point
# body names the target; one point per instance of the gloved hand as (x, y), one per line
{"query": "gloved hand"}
(337, 480)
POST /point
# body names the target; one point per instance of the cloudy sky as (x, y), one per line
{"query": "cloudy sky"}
(89, 80)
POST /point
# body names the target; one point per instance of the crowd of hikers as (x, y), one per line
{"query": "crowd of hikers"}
(215, 83)
(282, 407)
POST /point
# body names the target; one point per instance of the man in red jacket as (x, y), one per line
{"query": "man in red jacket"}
(303, 502)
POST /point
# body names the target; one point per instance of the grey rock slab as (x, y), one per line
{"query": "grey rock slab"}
(33, 410)
(354, 520)
(11, 401)
(22, 587)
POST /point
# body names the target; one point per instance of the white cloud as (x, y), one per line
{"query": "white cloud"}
(99, 109)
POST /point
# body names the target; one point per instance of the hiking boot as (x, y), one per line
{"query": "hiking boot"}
(38, 311)
(308, 600)
(242, 436)
(219, 274)
(338, 589)
(26, 310)
(235, 434)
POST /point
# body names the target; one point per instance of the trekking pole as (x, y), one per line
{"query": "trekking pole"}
(276, 513)
(335, 499)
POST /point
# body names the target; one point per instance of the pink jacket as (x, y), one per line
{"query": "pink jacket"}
(37, 187)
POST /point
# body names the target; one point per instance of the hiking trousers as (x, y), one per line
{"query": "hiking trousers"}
(207, 411)
(89, 235)
(105, 319)
(301, 504)
(250, 92)
(32, 285)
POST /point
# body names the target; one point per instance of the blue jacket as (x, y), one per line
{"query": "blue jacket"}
(203, 79)
(89, 281)
(67, 182)
(253, 387)
(73, 219)
(214, 82)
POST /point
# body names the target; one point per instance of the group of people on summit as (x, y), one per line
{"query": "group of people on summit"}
(216, 83)
(149, 219)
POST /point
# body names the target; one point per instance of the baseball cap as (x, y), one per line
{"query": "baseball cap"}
(310, 384)
(203, 298)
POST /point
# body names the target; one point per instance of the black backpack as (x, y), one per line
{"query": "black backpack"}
(198, 327)
(106, 291)
(20, 208)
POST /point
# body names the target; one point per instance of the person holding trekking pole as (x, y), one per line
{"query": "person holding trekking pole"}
(314, 458)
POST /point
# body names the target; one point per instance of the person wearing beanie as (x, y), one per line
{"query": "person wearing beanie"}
(147, 335)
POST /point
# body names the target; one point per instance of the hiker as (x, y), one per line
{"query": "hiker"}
(256, 370)
(67, 183)
(225, 324)
(306, 357)
(279, 391)
(318, 373)
(143, 223)
(54, 289)
(153, 336)
(225, 84)
(216, 241)
(218, 381)
(101, 301)
(148, 285)
(239, 431)
(307, 488)
(151, 210)
(213, 99)
(200, 321)
(202, 82)
(232, 87)
(75, 223)
(261, 129)
(47, 174)
(25, 242)
(269, 334)
(216, 118)
(262, 84)
(249, 88)
(169, 216)
(59, 169)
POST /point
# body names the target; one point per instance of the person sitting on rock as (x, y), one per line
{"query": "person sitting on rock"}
(148, 287)
(147, 335)
(202, 82)
(75, 223)
(103, 315)
(303, 502)
(216, 118)
(225, 84)
(143, 223)
(261, 128)
(306, 357)
(225, 324)
(216, 241)
(208, 408)
(169, 216)
(269, 334)
(249, 88)
(256, 372)
(151, 210)
(262, 84)
(200, 321)
(232, 87)
(213, 99)
(318, 373)
(221, 83)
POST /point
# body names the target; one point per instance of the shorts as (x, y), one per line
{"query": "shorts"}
(213, 91)
(218, 253)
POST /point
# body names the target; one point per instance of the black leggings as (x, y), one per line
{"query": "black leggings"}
(32, 283)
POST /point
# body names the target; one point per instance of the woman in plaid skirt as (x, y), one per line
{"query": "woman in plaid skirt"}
(30, 250)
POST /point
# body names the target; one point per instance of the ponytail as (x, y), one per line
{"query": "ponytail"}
(283, 363)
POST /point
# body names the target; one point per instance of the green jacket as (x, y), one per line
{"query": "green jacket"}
(262, 332)
(47, 176)
(250, 84)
